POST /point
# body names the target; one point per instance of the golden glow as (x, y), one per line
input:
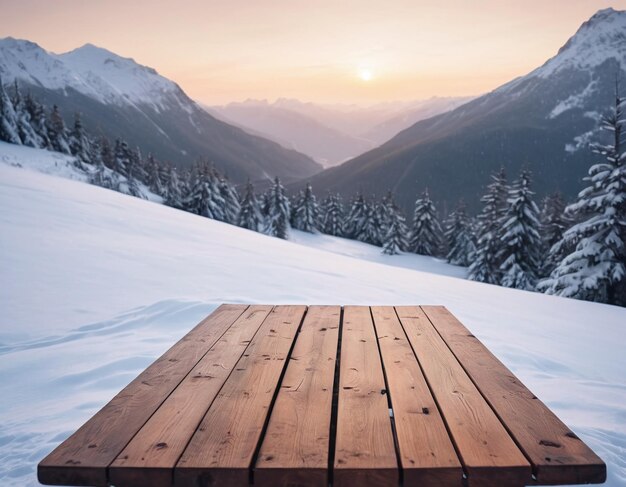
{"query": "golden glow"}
(225, 50)
(365, 74)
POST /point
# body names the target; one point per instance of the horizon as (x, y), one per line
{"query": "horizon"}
(351, 54)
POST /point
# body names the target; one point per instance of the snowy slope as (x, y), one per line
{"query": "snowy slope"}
(95, 285)
(90, 70)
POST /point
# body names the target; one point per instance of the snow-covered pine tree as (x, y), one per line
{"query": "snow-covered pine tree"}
(80, 145)
(486, 266)
(520, 253)
(231, 201)
(392, 224)
(332, 222)
(27, 133)
(121, 157)
(371, 232)
(277, 222)
(57, 132)
(174, 190)
(306, 214)
(249, 212)
(394, 240)
(356, 217)
(133, 170)
(38, 120)
(459, 238)
(265, 203)
(9, 131)
(426, 230)
(154, 172)
(554, 222)
(204, 196)
(107, 153)
(596, 269)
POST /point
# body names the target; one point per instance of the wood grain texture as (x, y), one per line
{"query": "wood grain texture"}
(222, 448)
(426, 452)
(84, 457)
(558, 456)
(295, 447)
(153, 452)
(364, 449)
(489, 455)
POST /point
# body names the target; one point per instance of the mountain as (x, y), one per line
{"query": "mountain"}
(409, 115)
(293, 130)
(542, 121)
(330, 134)
(376, 123)
(120, 98)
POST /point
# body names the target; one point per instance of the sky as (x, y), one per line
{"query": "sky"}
(329, 51)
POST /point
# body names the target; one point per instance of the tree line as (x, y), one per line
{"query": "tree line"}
(576, 250)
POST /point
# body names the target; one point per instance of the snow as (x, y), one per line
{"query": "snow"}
(90, 70)
(600, 38)
(574, 101)
(96, 285)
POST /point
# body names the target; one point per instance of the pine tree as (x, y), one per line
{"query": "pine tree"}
(394, 240)
(306, 214)
(520, 252)
(459, 238)
(9, 131)
(27, 133)
(393, 231)
(204, 196)
(174, 190)
(57, 132)
(249, 212)
(596, 269)
(79, 143)
(332, 221)
(121, 157)
(231, 201)
(154, 173)
(426, 230)
(554, 222)
(371, 233)
(486, 266)
(277, 224)
(132, 171)
(38, 121)
(357, 216)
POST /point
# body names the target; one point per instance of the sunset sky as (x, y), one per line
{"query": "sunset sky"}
(352, 51)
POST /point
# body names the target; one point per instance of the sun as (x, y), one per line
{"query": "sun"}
(365, 74)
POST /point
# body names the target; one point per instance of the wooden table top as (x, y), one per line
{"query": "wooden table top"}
(319, 395)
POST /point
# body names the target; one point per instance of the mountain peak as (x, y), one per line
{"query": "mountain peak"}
(601, 37)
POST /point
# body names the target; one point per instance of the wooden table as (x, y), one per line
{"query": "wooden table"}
(352, 396)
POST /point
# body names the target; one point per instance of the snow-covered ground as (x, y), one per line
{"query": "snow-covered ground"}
(95, 285)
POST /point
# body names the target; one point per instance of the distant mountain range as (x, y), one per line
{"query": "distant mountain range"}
(330, 134)
(542, 121)
(120, 98)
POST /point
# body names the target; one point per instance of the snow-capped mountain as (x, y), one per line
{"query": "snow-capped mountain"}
(122, 98)
(90, 70)
(543, 121)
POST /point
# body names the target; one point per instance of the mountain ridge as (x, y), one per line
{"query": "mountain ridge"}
(123, 99)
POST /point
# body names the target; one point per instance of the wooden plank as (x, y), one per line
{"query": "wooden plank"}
(489, 455)
(83, 458)
(426, 452)
(558, 456)
(150, 457)
(295, 447)
(365, 453)
(222, 448)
